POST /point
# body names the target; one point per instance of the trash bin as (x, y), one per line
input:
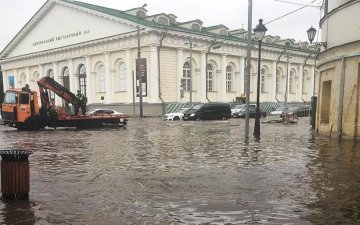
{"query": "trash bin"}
(15, 174)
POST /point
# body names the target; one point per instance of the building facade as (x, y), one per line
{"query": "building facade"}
(339, 66)
(95, 49)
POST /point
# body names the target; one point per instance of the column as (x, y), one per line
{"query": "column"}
(240, 81)
(180, 64)
(72, 78)
(108, 85)
(28, 75)
(5, 80)
(299, 84)
(15, 78)
(272, 91)
(90, 91)
(222, 80)
(202, 79)
(312, 87)
(153, 76)
(130, 80)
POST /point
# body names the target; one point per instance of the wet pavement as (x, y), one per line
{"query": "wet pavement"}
(157, 172)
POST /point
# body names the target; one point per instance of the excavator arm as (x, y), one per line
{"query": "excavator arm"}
(47, 83)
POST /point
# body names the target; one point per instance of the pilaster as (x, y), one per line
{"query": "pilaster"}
(202, 80)
(108, 83)
(153, 78)
(180, 64)
(222, 80)
(272, 91)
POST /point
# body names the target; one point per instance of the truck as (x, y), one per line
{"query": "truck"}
(21, 109)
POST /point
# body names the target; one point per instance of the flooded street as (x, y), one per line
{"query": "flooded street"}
(157, 172)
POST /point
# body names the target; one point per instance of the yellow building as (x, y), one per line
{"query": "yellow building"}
(339, 65)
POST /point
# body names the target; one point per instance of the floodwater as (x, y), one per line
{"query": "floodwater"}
(157, 172)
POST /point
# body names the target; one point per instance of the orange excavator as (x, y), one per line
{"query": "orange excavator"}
(21, 109)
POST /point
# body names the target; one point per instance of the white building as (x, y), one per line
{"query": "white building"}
(93, 48)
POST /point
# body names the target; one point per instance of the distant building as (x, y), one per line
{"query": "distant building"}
(94, 49)
(339, 65)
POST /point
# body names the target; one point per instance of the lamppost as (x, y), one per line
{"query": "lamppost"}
(139, 73)
(213, 45)
(190, 42)
(259, 31)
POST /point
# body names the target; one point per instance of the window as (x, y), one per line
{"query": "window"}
(140, 13)
(210, 78)
(262, 80)
(50, 73)
(292, 82)
(223, 32)
(10, 98)
(172, 20)
(82, 78)
(228, 79)
(66, 78)
(122, 77)
(163, 20)
(195, 27)
(24, 99)
(101, 73)
(186, 76)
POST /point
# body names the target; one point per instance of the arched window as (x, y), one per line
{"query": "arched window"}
(292, 82)
(186, 76)
(122, 77)
(82, 78)
(163, 20)
(210, 78)
(66, 77)
(140, 13)
(228, 79)
(262, 80)
(22, 80)
(195, 27)
(50, 73)
(101, 74)
(36, 77)
(305, 83)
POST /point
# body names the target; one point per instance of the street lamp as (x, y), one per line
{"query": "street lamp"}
(311, 32)
(259, 31)
(190, 42)
(213, 45)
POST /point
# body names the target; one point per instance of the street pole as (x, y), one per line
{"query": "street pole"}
(139, 74)
(190, 80)
(286, 85)
(257, 114)
(247, 75)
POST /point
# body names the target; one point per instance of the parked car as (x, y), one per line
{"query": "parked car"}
(252, 112)
(299, 111)
(105, 112)
(175, 115)
(237, 108)
(278, 111)
(208, 111)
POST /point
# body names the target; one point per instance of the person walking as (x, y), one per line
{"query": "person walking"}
(80, 102)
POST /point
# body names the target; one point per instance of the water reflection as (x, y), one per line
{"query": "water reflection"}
(19, 212)
(158, 172)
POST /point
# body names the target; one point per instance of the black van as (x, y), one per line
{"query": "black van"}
(208, 111)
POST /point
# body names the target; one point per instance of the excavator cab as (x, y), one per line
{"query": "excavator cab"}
(20, 109)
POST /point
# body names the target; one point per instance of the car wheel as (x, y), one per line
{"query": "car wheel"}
(176, 118)
(197, 119)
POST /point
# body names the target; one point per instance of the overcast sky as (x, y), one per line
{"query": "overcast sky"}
(232, 13)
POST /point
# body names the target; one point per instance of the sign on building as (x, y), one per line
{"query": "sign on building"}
(143, 72)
